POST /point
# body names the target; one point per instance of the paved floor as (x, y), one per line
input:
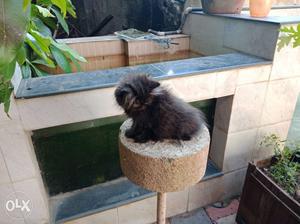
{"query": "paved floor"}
(199, 216)
(219, 213)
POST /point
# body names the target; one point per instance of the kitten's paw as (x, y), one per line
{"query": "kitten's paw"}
(141, 138)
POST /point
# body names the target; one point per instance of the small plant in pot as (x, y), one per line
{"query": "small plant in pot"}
(284, 166)
(271, 189)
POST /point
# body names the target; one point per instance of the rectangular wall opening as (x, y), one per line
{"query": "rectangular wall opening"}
(82, 160)
(79, 155)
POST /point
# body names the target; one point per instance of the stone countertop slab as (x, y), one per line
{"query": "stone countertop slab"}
(282, 20)
(66, 83)
(269, 19)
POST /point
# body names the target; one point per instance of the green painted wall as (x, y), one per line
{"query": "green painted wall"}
(83, 154)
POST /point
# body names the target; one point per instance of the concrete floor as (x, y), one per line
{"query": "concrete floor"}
(219, 213)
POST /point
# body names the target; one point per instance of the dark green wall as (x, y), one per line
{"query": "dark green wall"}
(83, 154)
(124, 14)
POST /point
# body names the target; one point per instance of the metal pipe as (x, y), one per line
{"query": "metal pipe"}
(164, 33)
(185, 13)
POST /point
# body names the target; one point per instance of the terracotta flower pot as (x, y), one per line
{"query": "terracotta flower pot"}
(222, 6)
(260, 8)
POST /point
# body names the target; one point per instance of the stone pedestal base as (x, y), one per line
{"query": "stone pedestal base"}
(166, 166)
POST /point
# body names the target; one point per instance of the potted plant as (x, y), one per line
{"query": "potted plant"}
(222, 7)
(271, 189)
(260, 8)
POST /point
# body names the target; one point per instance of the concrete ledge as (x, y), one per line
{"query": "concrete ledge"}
(282, 20)
(52, 85)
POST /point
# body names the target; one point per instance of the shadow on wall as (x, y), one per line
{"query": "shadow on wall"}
(104, 17)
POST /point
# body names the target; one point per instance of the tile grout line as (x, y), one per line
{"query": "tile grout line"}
(258, 127)
(5, 164)
(11, 182)
(188, 199)
(118, 218)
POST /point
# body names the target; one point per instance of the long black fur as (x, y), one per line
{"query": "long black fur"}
(156, 113)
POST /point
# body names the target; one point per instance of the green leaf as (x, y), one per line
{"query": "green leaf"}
(6, 97)
(21, 55)
(72, 12)
(284, 40)
(75, 62)
(44, 11)
(292, 30)
(62, 5)
(13, 22)
(5, 93)
(7, 101)
(42, 62)
(287, 29)
(296, 42)
(25, 4)
(44, 2)
(26, 71)
(44, 42)
(61, 60)
(31, 41)
(284, 29)
(70, 4)
(39, 72)
(290, 34)
(41, 27)
(61, 20)
(7, 71)
(71, 9)
(68, 51)
(50, 22)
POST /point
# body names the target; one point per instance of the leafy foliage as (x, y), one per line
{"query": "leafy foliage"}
(42, 49)
(288, 35)
(13, 22)
(27, 37)
(285, 171)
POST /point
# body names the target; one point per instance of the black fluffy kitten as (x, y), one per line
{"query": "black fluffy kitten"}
(155, 112)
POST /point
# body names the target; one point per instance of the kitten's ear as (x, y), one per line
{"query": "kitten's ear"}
(153, 84)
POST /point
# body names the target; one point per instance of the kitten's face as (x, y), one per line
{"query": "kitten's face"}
(133, 93)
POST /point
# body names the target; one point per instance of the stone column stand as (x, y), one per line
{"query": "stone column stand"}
(166, 166)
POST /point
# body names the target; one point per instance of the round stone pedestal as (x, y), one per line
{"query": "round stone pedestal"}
(165, 166)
